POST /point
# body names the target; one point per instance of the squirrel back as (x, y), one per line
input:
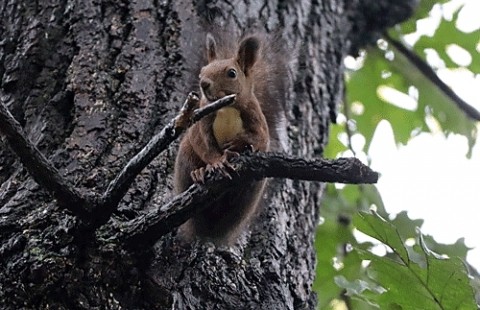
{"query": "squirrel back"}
(255, 69)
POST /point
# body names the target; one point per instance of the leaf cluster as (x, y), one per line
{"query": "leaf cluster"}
(368, 259)
(389, 86)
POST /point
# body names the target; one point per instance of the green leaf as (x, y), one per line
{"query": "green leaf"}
(447, 279)
(433, 102)
(458, 249)
(377, 227)
(403, 289)
(400, 74)
(362, 87)
(405, 225)
(434, 282)
(358, 287)
(412, 275)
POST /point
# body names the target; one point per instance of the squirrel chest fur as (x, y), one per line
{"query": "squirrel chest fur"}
(245, 69)
(227, 125)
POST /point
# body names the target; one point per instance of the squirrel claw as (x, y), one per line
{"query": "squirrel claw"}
(224, 167)
(198, 175)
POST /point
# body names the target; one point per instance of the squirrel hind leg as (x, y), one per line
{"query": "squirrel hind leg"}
(185, 163)
(225, 219)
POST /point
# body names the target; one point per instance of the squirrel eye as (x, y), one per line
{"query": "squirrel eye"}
(232, 73)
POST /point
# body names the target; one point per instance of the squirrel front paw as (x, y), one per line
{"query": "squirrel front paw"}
(223, 166)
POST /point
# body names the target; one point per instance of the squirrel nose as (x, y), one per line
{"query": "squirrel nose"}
(205, 84)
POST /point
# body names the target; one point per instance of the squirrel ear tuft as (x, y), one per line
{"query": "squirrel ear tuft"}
(211, 48)
(248, 53)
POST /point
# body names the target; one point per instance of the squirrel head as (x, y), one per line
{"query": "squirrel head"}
(221, 77)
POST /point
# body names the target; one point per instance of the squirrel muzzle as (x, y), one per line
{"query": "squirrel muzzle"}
(209, 91)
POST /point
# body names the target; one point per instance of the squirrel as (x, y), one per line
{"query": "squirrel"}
(254, 68)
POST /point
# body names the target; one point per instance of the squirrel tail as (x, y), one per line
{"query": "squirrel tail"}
(272, 85)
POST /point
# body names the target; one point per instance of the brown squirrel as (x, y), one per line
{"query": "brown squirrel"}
(255, 70)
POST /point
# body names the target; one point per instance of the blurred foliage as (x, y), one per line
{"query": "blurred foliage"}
(396, 267)
(409, 276)
(384, 67)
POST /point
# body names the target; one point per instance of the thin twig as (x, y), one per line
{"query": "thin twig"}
(42, 171)
(348, 130)
(144, 230)
(212, 107)
(433, 77)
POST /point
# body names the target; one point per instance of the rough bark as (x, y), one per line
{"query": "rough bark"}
(90, 83)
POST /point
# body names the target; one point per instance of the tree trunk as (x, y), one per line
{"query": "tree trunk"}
(91, 82)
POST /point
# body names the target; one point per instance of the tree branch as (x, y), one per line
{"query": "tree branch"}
(92, 209)
(189, 114)
(433, 77)
(343, 170)
(146, 229)
(42, 171)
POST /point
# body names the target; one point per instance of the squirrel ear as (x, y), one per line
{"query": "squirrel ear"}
(248, 53)
(211, 48)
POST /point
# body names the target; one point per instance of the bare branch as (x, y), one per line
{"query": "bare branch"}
(42, 171)
(188, 115)
(148, 228)
(433, 77)
(92, 209)
(144, 230)
(343, 170)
